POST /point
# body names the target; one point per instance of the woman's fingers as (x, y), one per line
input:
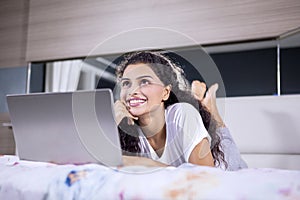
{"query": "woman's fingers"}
(121, 112)
(130, 121)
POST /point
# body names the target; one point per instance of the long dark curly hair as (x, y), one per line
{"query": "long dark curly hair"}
(170, 74)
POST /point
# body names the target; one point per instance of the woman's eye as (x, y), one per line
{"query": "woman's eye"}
(125, 84)
(144, 82)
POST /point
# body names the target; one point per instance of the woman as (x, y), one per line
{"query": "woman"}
(160, 121)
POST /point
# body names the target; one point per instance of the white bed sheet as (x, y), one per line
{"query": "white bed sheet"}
(35, 180)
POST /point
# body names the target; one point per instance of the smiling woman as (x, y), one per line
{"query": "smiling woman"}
(145, 97)
(159, 117)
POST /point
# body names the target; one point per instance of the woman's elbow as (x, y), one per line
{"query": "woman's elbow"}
(201, 154)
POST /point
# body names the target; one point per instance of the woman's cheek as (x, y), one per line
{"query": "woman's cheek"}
(122, 96)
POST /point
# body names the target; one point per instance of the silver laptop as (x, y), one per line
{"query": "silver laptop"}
(70, 127)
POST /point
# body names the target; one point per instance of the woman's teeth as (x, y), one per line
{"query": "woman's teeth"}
(136, 102)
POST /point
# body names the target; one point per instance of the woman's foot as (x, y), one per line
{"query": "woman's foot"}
(198, 90)
(209, 101)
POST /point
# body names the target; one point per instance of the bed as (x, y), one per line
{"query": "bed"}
(273, 161)
(37, 180)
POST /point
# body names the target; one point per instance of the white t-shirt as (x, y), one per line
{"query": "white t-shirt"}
(184, 130)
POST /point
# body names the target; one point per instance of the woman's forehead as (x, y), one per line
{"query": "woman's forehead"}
(135, 70)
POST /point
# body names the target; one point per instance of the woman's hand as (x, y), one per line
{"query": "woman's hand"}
(135, 160)
(121, 112)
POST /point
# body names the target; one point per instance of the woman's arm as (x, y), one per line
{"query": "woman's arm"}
(135, 160)
(201, 154)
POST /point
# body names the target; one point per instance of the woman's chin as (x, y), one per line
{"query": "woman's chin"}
(136, 111)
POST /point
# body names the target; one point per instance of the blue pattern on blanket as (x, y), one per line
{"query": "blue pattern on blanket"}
(74, 176)
(82, 182)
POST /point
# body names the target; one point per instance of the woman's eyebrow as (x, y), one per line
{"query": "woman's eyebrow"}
(124, 79)
(145, 76)
(138, 78)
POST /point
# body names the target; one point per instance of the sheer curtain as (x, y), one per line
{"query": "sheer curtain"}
(62, 76)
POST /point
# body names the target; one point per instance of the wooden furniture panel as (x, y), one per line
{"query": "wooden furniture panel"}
(13, 32)
(72, 28)
(7, 142)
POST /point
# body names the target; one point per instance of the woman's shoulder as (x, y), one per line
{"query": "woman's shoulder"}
(182, 106)
(181, 110)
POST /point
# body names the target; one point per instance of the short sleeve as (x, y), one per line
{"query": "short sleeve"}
(190, 126)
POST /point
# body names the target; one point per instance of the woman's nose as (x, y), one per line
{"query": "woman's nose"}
(133, 89)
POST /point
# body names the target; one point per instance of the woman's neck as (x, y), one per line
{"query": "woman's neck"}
(153, 127)
(158, 141)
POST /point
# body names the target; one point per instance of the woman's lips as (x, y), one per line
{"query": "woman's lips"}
(135, 102)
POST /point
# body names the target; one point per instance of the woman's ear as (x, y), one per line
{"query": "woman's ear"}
(167, 92)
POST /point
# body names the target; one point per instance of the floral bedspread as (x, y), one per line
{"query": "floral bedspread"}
(21, 179)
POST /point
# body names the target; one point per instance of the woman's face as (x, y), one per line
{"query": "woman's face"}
(141, 90)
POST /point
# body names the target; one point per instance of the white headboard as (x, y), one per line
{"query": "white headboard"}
(265, 128)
